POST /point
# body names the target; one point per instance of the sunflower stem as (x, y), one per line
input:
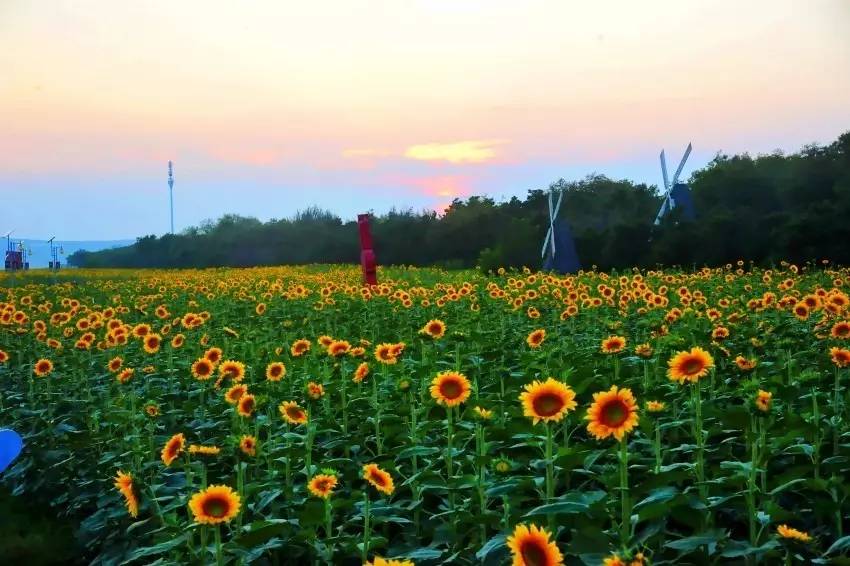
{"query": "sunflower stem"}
(366, 532)
(751, 481)
(550, 474)
(219, 560)
(817, 437)
(449, 456)
(344, 416)
(328, 529)
(626, 511)
(657, 445)
(700, 439)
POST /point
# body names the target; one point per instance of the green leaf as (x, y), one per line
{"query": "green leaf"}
(493, 549)
(416, 451)
(659, 495)
(160, 548)
(689, 544)
(840, 545)
(575, 502)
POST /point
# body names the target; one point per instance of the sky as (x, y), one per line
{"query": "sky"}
(270, 107)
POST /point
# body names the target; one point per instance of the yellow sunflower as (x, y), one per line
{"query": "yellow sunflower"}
(787, 532)
(384, 354)
(315, 390)
(840, 330)
(613, 413)
(690, 365)
(115, 364)
(378, 561)
(213, 355)
(339, 348)
(532, 547)
(322, 485)
(43, 367)
(763, 400)
(535, 338)
(547, 401)
(235, 393)
(246, 405)
(434, 328)
(202, 369)
(173, 448)
(124, 484)
(380, 480)
(275, 371)
(613, 345)
(216, 504)
(248, 445)
(299, 347)
(840, 357)
(361, 372)
(450, 388)
(292, 413)
(152, 342)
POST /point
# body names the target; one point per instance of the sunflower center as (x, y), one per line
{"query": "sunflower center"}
(215, 507)
(451, 389)
(547, 404)
(533, 554)
(614, 413)
(691, 366)
(294, 414)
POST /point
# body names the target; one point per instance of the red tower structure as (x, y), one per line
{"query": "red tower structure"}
(368, 261)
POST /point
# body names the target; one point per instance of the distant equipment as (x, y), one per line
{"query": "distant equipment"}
(16, 255)
(559, 250)
(55, 250)
(171, 193)
(368, 261)
(676, 194)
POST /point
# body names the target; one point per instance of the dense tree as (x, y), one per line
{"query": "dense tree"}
(765, 208)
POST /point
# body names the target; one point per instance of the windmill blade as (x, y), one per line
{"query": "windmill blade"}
(664, 172)
(558, 206)
(546, 242)
(682, 164)
(663, 210)
(549, 231)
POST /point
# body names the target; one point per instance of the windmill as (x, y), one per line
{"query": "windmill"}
(676, 194)
(559, 251)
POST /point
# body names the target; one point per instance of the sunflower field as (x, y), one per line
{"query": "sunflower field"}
(293, 416)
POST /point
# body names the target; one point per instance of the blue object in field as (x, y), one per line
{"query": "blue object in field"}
(683, 201)
(10, 446)
(566, 256)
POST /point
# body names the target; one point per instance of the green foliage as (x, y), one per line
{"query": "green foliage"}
(766, 209)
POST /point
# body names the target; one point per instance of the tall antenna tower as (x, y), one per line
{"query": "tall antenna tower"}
(171, 193)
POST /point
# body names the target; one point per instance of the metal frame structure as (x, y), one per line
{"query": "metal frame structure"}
(55, 250)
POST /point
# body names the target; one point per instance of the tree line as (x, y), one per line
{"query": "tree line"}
(766, 208)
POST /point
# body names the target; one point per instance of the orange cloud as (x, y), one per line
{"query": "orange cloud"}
(471, 151)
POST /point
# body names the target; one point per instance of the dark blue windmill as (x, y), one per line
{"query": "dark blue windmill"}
(676, 194)
(559, 250)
